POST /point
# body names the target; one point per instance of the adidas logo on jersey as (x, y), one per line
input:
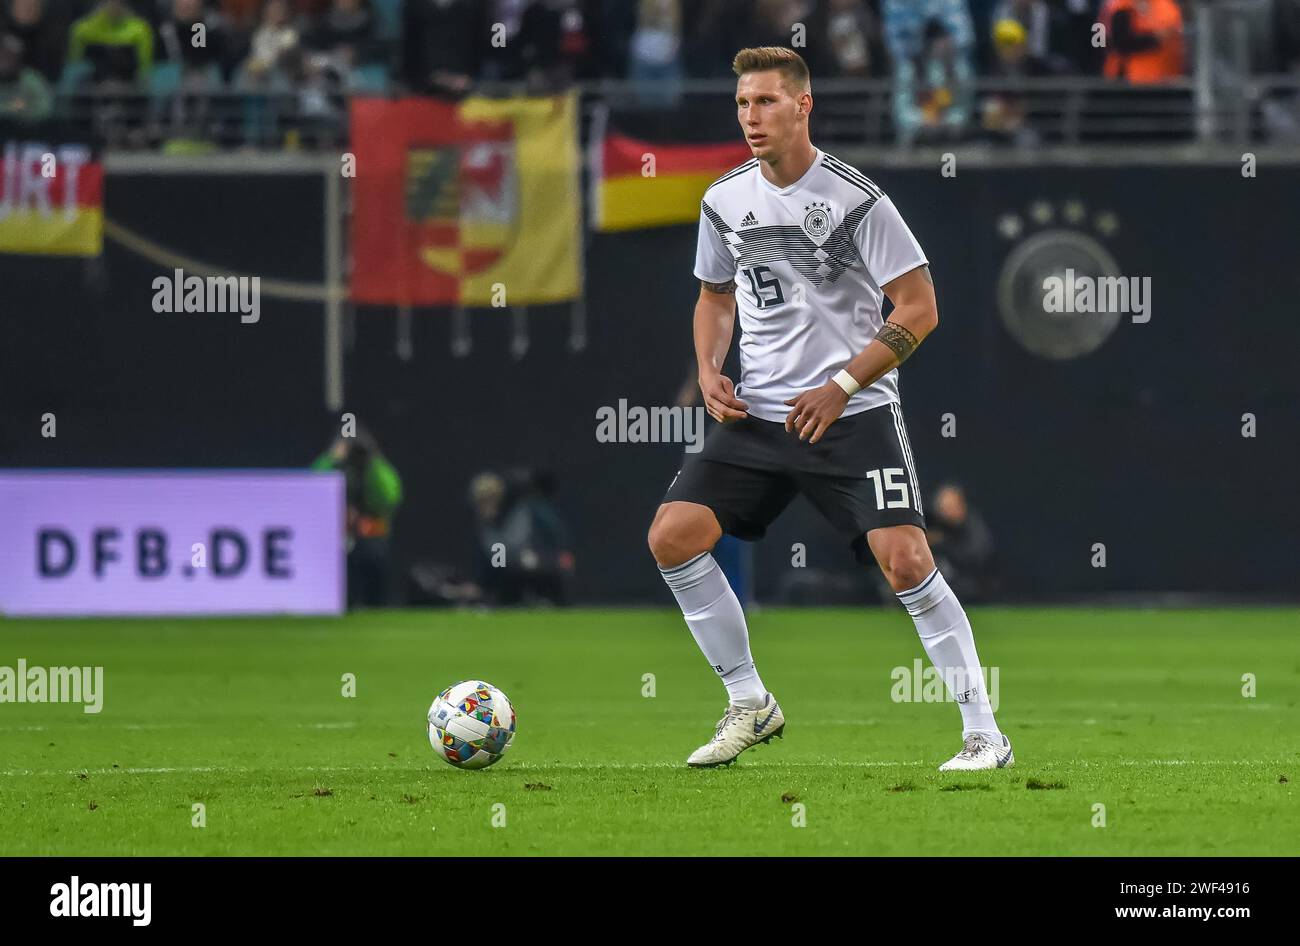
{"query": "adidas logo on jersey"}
(749, 220)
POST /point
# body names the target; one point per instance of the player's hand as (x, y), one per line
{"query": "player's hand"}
(814, 411)
(720, 399)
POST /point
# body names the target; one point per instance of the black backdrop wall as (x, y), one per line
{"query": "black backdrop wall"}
(1137, 445)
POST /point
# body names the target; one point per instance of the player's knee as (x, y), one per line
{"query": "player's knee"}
(906, 565)
(677, 536)
(668, 542)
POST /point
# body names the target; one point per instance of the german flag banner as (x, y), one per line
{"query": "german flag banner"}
(638, 184)
(474, 203)
(51, 198)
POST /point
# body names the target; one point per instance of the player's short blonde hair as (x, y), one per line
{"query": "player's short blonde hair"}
(786, 61)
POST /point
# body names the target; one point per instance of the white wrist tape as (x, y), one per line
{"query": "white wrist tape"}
(846, 381)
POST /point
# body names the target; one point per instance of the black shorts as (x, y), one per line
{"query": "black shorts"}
(860, 475)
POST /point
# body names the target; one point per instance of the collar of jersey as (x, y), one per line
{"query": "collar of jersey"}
(787, 191)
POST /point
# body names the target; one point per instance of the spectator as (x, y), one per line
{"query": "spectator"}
(238, 19)
(962, 544)
(317, 82)
(374, 492)
(656, 52)
(854, 40)
(1034, 16)
(1005, 112)
(25, 96)
(785, 23)
(504, 61)
(275, 37)
(906, 22)
(1072, 32)
(117, 44)
(523, 549)
(345, 34)
(553, 42)
(933, 90)
(1144, 40)
(176, 35)
(273, 76)
(487, 494)
(548, 554)
(442, 45)
(43, 32)
(772, 23)
(180, 107)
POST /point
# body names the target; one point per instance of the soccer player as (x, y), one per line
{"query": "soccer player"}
(806, 248)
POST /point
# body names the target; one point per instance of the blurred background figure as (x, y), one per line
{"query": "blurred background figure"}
(906, 22)
(274, 70)
(112, 49)
(523, 554)
(1005, 113)
(374, 491)
(188, 71)
(178, 38)
(853, 31)
(962, 544)
(272, 40)
(1144, 40)
(25, 96)
(441, 49)
(43, 31)
(555, 43)
(1034, 18)
(655, 56)
(345, 34)
(117, 45)
(934, 89)
(504, 20)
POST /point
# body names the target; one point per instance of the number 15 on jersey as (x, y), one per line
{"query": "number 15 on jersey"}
(765, 286)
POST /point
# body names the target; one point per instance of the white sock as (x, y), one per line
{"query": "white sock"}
(945, 632)
(715, 618)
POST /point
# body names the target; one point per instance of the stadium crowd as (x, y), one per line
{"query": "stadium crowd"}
(313, 52)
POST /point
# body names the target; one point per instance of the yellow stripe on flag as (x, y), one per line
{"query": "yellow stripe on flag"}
(633, 202)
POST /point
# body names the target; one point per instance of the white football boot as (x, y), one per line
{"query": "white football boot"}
(738, 730)
(979, 753)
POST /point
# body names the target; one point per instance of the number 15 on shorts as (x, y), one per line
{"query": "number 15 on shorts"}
(892, 480)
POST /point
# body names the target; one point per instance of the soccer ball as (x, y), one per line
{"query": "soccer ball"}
(471, 724)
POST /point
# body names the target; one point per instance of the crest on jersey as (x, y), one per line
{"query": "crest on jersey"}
(817, 220)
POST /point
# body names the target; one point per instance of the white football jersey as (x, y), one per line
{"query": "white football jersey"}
(808, 261)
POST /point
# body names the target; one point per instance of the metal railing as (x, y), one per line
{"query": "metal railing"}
(1072, 112)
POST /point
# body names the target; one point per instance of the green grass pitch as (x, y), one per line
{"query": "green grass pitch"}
(1140, 711)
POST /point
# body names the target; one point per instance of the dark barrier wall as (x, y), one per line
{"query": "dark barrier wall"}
(1137, 445)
